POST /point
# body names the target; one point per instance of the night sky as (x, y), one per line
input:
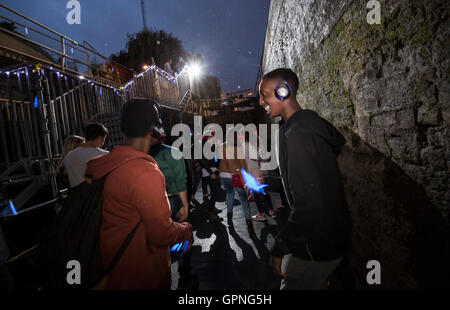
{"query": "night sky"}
(228, 33)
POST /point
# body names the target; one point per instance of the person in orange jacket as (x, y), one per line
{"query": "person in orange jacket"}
(129, 198)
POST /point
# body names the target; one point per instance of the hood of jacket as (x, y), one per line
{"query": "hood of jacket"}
(319, 127)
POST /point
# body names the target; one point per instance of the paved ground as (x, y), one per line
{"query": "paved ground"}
(224, 259)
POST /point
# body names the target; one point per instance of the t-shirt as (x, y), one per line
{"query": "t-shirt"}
(174, 170)
(205, 172)
(76, 160)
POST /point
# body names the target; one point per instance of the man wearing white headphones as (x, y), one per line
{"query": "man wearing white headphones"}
(314, 240)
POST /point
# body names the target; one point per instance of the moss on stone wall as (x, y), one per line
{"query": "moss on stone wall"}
(362, 70)
(389, 85)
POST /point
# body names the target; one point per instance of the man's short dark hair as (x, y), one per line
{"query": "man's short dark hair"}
(139, 116)
(284, 74)
(95, 130)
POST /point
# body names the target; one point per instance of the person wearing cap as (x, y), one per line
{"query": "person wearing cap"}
(134, 191)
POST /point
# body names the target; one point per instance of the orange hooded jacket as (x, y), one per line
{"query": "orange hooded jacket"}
(135, 189)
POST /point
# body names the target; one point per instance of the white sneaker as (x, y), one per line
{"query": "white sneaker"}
(260, 218)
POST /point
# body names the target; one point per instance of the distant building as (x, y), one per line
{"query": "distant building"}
(207, 87)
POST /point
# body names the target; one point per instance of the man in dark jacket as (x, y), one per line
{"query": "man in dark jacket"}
(314, 240)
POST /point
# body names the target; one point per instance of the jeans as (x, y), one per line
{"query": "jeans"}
(230, 190)
(306, 274)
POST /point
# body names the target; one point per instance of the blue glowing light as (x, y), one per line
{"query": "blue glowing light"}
(9, 209)
(252, 183)
(26, 30)
(175, 247)
(36, 102)
(215, 158)
(185, 246)
(12, 208)
(180, 247)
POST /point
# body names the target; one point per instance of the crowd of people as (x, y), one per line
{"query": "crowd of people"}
(144, 182)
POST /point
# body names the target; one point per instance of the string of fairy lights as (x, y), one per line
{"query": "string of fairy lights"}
(151, 68)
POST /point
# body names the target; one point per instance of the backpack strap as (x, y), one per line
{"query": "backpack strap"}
(125, 243)
(122, 248)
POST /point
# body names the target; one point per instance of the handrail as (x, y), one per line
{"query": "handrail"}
(43, 46)
(39, 206)
(41, 33)
(51, 30)
(37, 23)
(62, 38)
(39, 59)
(187, 94)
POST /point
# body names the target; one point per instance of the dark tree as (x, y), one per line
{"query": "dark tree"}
(144, 45)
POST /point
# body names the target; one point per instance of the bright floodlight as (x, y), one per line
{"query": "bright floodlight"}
(194, 70)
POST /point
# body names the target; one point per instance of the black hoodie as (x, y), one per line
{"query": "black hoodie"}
(319, 225)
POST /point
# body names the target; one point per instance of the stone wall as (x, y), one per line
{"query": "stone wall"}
(388, 86)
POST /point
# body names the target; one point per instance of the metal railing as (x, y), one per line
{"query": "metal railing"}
(157, 84)
(41, 104)
(40, 107)
(70, 55)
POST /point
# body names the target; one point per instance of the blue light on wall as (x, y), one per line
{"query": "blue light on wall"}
(9, 208)
(12, 208)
